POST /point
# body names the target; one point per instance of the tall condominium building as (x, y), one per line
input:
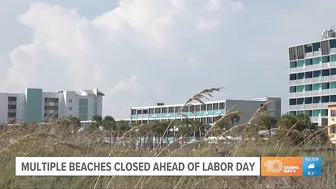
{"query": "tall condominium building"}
(312, 77)
(36, 105)
(205, 113)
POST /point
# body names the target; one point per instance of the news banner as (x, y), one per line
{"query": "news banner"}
(169, 166)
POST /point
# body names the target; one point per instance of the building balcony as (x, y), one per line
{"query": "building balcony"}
(12, 102)
(12, 110)
(51, 103)
(198, 114)
(333, 50)
(312, 80)
(313, 93)
(51, 111)
(313, 67)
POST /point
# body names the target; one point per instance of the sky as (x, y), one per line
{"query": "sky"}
(140, 52)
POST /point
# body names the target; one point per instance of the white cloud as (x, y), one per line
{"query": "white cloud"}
(205, 24)
(137, 38)
(128, 85)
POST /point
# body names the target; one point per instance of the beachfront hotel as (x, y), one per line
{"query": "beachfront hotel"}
(35, 105)
(205, 113)
(312, 77)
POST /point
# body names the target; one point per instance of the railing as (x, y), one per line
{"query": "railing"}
(313, 80)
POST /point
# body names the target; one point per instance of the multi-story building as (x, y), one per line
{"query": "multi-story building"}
(312, 77)
(35, 105)
(205, 113)
(332, 123)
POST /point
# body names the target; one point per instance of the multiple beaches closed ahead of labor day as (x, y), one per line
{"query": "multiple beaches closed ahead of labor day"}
(135, 166)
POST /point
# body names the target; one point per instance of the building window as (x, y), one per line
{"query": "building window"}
(317, 46)
(309, 74)
(292, 77)
(151, 110)
(209, 106)
(301, 63)
(333, 113)
(325, 99)
(70, 108)
(308, 48)
(12, 107)
(203, 107)
(164, 110)
(157, 110)
(185, 109)
(317, 60)
(333, 129)
(332, 98)
(332, 43)
(209, 120)
(325, 85)
(197, 108)
(308, 100)
(215, 106)
(11, 98)
(293, 113)
(139, 111)
(133, 112)
(171, 110)
(192, 108)
(325, 59)
(308, 87)
(12, 115)
(309, 62)
(325, 72)
(308, 113)
(293, 64)
(52, 100)
(324, 112)
(145, 111)
(301, 75)
(300, 101)
(316, 99)
(292, 101)
(221, 106)
(316, 113)
(70, 100)
(317, 73)
(316, 86)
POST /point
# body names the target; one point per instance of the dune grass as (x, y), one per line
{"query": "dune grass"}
(37, 140)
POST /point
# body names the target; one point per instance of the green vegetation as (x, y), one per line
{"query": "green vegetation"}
(290, 136)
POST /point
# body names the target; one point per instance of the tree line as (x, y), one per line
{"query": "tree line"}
(294, 129)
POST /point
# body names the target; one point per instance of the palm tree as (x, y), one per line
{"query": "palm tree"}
(198, 128)
(109, 124)
(268, 123)
(123, 126)
(158, 129)
(98, 119)
(297, 127)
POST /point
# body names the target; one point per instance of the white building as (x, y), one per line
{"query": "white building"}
(312, 77)
(205, 113)
(35, 105)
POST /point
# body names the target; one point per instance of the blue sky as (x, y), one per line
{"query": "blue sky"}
(139, 52)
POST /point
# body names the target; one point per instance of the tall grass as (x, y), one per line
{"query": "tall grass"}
(61, 139)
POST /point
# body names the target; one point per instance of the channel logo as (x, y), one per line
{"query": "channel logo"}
(281, 166)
